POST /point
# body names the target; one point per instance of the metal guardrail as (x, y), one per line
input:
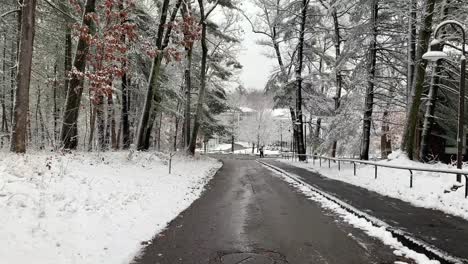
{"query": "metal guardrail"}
(376, 165)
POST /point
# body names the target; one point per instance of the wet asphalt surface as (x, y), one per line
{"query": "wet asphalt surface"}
(249, 215)
(446, 232)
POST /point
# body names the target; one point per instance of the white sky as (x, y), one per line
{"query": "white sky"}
(257, 67)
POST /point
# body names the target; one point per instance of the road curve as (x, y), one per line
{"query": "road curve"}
(249, 215)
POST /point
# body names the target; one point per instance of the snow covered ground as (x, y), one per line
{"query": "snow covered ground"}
(88, 207)
(430, 190)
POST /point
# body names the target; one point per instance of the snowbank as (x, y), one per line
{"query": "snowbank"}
(91, 208)
(430, 190)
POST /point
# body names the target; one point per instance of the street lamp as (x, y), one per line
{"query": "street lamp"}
(433, 55)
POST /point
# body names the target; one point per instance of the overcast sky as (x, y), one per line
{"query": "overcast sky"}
(257, 67)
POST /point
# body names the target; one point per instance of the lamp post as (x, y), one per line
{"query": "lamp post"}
(433, 55)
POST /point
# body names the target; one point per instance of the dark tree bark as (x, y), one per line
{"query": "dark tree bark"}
(369, 103)
(54, 94)
(412, 31)
(125, 122)
(101, 123)
(4, 90)
(153, 94)
(201, 92)
(338, 78)
(69, 135)
(186, 11)
(432, 97)
(299, 118)
(20, 120)
(68, 59)
(409, 137)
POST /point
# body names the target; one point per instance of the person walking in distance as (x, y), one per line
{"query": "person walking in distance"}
(261, 152)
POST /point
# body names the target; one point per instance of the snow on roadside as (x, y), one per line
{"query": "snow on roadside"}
(430, 190)
(358, 222)
(91, 208)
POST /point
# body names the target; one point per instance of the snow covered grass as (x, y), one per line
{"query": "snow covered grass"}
(380, 233)
(89, 207)
(430, 190)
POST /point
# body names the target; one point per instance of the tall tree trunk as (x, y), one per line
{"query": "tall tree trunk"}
(69, 134)
(369, 103)
(339, 82)
(413, 5)
(299, 118)
(201, 92)
(317, 134)
(19, 135)
(4, 90)
(111, 121)
(12, 81)
(68, 59)
(101, 123)
(56, 109)
(153, 96)
(408, 143)
(432, 96)
(186, 12)
(92, 125)
(125, 123)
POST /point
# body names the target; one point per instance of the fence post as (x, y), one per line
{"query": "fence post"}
(313, 160)
(354, 163)
(339, 165)
(411, 178)
(466, 186)
(320, 159)
(375, 171)
(329, 165)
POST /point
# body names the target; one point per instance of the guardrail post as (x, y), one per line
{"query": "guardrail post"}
(411, 178)
(339, 165)
(320, 159)
(375, 171)
(313, 161)
(354, 163)
(466, 186)
(329, 165)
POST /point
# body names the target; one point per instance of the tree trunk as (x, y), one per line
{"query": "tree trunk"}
(408, 143)
(299, 118)
(111, 121)
(69, 134)
(92, 125)
(19, 135)
(153, 96)
(186, 12)
(201, 92)
(68, 59)
(369, 103)
(4, 90)
(339, 82)
(101, 123)
(429, 115)
(411, 48)
(317, 134)
(56, 109)
(432, 97)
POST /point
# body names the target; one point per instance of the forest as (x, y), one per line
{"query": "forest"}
(98, 75)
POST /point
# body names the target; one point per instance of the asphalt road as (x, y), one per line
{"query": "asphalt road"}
(249, 215)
